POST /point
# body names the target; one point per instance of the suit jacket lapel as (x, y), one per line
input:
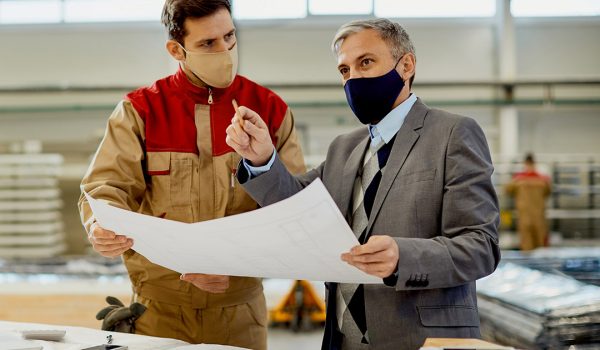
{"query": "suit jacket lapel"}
(405, 140)
(349, 175)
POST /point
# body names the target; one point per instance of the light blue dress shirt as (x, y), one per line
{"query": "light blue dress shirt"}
(388, 127)
(384, 131)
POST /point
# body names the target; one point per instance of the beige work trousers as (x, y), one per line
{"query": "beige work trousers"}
(243, 325)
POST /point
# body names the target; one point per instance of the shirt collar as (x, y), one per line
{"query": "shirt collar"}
(392, 122)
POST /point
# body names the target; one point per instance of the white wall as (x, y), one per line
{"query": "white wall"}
(89, 55)
(447, 50)
(560, 130)
(558, 49)
(129, 54)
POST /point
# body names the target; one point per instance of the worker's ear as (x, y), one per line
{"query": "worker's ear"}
(175, 50)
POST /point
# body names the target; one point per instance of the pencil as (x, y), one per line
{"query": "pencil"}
(237, 110)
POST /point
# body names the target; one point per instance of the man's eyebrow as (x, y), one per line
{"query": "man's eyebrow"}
(364, 55)
(203, 41)
(206, 40)
(357, 59)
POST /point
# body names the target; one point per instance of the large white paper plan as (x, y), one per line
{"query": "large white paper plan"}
(301, 237)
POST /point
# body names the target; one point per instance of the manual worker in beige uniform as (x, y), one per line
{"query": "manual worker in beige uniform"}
(164, 154)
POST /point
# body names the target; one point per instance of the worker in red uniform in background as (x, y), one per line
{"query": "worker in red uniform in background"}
(530, 190)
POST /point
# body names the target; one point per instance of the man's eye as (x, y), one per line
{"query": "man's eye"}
(366, 62)
(343, 71)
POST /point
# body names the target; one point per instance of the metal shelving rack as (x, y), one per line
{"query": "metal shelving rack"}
(574, 206)
(575, 209)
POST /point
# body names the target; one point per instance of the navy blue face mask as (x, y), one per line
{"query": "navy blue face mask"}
(371, 99)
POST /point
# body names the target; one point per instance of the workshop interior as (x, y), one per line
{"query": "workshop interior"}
(526, 71)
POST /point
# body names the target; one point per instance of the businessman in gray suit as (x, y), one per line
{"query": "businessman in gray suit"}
(415, 187)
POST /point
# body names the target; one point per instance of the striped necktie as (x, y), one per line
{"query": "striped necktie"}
(350, 301)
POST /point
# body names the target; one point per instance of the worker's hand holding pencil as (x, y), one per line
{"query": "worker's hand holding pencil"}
(249, 136)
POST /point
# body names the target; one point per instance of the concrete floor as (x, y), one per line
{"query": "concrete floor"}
(50, 300)
(284, 339)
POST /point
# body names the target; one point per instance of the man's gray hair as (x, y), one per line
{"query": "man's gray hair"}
(392, 33)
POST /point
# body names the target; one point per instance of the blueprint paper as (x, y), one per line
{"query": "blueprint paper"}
(301, 237)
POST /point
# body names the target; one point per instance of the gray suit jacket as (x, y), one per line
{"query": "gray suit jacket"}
(437, 200)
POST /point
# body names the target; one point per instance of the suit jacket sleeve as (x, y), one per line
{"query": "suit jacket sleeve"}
(467, 246)
(276, 184)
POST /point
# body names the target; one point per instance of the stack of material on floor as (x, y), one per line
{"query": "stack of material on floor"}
(581, 263)
(528, 308)
(30, 220)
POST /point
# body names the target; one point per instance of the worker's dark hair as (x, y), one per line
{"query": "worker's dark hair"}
(529, 158)
(175, 12)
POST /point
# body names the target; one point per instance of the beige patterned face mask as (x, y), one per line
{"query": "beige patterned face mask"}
(215, 69)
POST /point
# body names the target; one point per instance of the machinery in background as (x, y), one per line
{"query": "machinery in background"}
(302, 308)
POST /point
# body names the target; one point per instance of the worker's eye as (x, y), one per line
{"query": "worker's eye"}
(344, 70)
(207, 43)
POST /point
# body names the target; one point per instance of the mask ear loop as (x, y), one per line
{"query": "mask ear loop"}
(396, 66)
(183, 48)
(183, 63)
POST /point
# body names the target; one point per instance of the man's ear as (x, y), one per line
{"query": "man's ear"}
(175, 50)
(407, 66)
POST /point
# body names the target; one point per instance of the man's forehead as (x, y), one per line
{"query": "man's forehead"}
(358, 44)
(210, 27)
